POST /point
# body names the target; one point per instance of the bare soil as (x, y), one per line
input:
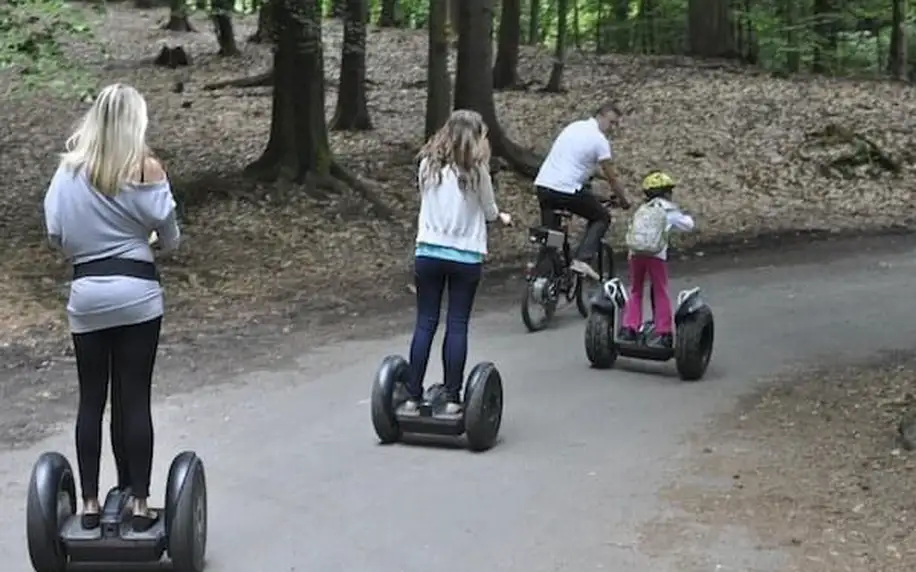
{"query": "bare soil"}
(814, 466)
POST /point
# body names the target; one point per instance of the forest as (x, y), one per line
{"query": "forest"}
(295, 123)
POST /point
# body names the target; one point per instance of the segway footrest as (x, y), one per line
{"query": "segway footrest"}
(429, 421)
(124, 545)
(642, 351)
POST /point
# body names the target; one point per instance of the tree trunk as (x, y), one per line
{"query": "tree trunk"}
(576, 24)
(646, 19)
(825, 37)
(297, 147)
(505, 72)
(143, 4)
(438, 80)
(555, 83)
(222, 27)
(474, 90)
(793, 48)
(622, 23)
(338, 8)
(352, 113)
(897, 56)
(389, 17)
(534, 22)
(267, 31)
(178, 17)
(454, 7)
(710, 30)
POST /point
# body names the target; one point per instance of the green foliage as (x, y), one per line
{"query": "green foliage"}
(33, 34)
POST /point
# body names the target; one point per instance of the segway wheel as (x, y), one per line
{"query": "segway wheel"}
(51, 501)
(693, 344)
(186, 513)
(483, 406)
(600, 348)
(388, 390)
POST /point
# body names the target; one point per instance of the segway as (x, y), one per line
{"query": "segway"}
(693, 332)
(57, 538)
(479, 419)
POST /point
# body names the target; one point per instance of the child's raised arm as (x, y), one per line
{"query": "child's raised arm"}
(680, 220)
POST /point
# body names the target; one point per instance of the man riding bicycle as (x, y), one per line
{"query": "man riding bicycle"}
(561, 183)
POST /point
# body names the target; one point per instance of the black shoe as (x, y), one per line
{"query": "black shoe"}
(627, 335)
(144, 522)
(661, 342)
(90, 520)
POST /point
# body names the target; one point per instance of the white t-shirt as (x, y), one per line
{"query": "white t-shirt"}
(572, 159)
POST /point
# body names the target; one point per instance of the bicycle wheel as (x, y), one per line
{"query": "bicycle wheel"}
(540, 293)
(586, 288)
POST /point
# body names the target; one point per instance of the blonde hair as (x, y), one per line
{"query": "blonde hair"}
(110, 142)
(460, 144)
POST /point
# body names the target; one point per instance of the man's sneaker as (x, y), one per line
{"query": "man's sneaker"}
(627, 335)
(452, 408)
(585, 269)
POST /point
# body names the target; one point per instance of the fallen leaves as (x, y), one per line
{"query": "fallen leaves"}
(816, 465)
(736, 140)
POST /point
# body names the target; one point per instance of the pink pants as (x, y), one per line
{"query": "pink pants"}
(657, 271)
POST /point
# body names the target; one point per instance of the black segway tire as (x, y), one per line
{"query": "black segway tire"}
(693, 344)
(186, 513)
(51, 501)
(483, 406)
(600, 348)
(391, 374)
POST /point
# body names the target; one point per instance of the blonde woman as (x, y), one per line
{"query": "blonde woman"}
(106, 199)
(457, 201)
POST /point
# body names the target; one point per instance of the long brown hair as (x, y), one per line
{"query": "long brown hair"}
(460, 144)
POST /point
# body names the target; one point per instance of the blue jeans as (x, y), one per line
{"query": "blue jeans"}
(431, 276)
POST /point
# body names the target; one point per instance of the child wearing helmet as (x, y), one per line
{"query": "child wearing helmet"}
(647, 242)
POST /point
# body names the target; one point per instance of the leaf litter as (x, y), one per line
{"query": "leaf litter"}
(738, 141)
(814, 465)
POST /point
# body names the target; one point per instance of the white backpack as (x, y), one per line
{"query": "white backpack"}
(648, 232)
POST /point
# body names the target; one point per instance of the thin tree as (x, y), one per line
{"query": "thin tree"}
(438, 80)
(266, 32)
(555, 83)
(474, 90)
(505, 71)
(534, 22)
(897, 57)
(178, 17)
(389, 14)
(222, 26)
(710, 33)
(352, 113)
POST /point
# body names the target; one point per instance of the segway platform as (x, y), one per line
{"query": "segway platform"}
(114, 540)
(431, 417)
(56, 536)
(479, 419)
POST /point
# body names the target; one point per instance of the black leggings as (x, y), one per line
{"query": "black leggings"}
(126, 355)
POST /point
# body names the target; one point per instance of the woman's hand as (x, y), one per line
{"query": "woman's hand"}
(505, 218)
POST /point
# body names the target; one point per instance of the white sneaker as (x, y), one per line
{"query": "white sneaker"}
(452, 408)
(583, 268)
(410, 407)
